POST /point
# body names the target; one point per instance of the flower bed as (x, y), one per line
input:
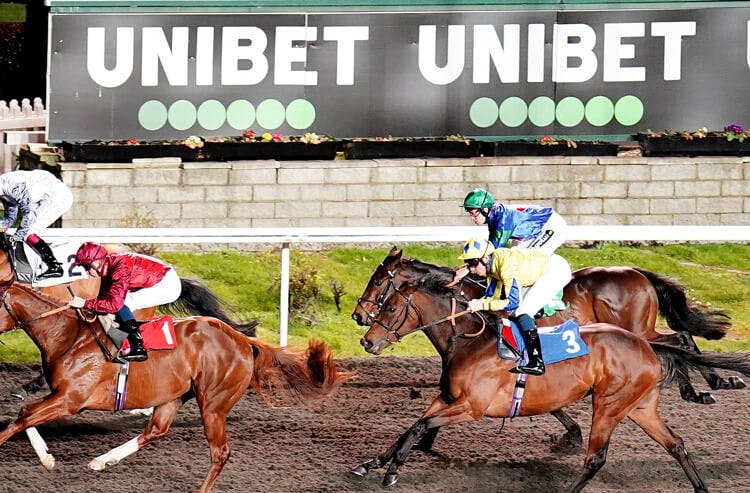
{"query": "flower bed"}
(702, 142)
(251, 147)
(388, 148)
(119, 151)
(551, 146)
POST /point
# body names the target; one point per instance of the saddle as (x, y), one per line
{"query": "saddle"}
(157, 332)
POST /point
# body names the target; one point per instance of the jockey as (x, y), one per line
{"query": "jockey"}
(129, 281)
(509, 270)
(41, 199)
(523, 227)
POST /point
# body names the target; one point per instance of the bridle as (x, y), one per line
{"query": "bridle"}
(382, 297)
(408, 307)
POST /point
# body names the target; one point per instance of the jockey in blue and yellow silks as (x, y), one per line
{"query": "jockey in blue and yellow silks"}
(508, 271)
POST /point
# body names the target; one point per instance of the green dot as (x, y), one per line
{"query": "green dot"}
(211, 114)
(300, 114)
(240, 114)
(569, 111)
(270, 114)
(152, 115)
(182, 114)
(483, 112)
(513, 111)
(628, 110)
(599, 111)
(542, 111)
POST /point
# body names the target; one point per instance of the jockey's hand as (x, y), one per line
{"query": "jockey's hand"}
(76, 302)
(476, 305)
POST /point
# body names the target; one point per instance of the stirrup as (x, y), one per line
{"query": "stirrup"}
(529, 370)
(55, 270)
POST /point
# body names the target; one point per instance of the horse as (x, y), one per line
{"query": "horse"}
(624, 296)
(195, 299)
(623, 374)
(627, 297)
(212, 363)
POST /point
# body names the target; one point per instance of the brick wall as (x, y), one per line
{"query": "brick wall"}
(606, 190)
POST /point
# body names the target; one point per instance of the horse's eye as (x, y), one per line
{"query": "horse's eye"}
(391, 309)
(378, 283)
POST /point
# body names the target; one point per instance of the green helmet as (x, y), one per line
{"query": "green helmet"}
(478, 198)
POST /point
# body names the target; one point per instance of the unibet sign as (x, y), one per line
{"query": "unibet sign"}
(475, 73)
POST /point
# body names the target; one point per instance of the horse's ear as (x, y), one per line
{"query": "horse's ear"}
(393, 251)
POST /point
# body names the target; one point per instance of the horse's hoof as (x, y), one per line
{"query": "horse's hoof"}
(736, 383)
(97, 465)
(706, 398)
(19, 393)
(360, 471)
(48, 462)
(390, 479)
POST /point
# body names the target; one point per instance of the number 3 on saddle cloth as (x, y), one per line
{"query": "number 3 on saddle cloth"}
(558, 343)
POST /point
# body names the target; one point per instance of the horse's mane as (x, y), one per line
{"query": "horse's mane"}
(433, 278)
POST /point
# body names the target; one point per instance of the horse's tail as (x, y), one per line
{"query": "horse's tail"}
(678, 361)
(197, 299)
(682, 316)
(307, 375)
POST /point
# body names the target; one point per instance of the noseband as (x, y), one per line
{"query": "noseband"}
(380, 300)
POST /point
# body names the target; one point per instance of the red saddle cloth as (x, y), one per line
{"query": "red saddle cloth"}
(157, 333)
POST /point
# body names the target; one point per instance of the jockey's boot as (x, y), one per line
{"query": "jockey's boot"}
(535, 365)
(137, 351)
(54, 268)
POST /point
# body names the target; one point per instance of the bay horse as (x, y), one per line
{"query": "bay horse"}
(628, 297)
(623, 374)
(212, 363)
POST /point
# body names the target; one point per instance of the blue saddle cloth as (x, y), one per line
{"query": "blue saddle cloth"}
(558, 343)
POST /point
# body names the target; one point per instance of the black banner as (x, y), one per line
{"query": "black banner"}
(167, 76)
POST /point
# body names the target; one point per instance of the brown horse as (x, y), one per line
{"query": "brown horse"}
(627, 297)
(212, 363)
(622, 373)
(195, 299)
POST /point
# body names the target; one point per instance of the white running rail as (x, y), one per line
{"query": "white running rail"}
(389, 235)
(20, 124)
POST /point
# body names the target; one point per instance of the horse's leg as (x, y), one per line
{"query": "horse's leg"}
(157, 427)
(379, 461)
(649, 420)
(437, 415)
(687, 392)
(40, 447)
(573, 438)
(714, 380)
(428, 439)
(52, 407)
(215, 427)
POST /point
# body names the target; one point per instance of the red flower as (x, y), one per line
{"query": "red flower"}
(132, 141)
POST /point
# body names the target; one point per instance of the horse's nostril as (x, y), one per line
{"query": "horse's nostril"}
(365, 343)
(355, 317)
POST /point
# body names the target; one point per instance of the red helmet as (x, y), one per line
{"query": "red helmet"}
(88, 252)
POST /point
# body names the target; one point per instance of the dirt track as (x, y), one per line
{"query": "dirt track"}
(298, 450)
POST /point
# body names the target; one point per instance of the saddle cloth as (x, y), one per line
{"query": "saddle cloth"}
(27, 264)
(157, 333)
(558, 343)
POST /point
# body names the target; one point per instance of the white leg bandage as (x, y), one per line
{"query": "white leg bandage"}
(40, 447)
(115, 455)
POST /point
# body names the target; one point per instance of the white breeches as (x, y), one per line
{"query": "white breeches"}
(554, 233)
(557, 275)
(165, 291)
(57, 203)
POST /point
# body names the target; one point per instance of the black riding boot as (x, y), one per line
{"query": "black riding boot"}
(137, 351)
(535, 365)
(54, 268)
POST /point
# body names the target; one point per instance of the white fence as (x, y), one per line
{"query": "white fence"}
(285, 237)
(20, 124)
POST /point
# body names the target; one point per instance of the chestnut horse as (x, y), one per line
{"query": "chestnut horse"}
(195, 299)
(212, 363)
(623, 374)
